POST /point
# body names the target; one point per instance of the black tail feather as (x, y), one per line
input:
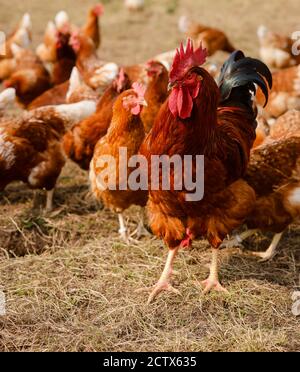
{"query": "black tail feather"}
(240, 71)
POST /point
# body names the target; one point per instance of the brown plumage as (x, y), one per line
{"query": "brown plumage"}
(156, 93)
(95, 72)
(212, 39)
(80, 141)
(20, 36)
(31, 146)
(47, 50)
(31, 150)
(7, 67)
(92, 27)
(30, 78)
(126, 130)
(274, 174)
(53, 96)
(219, 124)
(277, 187)
(286, 125)
(276, 49)
(65, 59)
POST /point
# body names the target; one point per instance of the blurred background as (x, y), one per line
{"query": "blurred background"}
(131, 37)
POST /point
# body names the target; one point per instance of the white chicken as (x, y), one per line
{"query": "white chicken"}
(135, 4)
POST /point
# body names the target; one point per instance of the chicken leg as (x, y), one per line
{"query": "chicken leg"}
(141, 230)
(271, 251)
(123, 231)
(49, 202)
(164, 282)
(212, 283)
(237, 240)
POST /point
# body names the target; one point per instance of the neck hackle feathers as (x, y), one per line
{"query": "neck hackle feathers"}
(186, 59)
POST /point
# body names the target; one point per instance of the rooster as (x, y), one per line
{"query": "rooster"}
(274, 174)
(200, 118)
(31, 146)
(127, 131)
(276, 50)
(80, 141)
(213, 39)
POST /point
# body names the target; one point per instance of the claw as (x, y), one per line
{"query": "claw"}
(157, 289)
(232, 243)
(264, 256)
(141, 231)
(127, 238)
(213, 285)
(271, 251)
(164, 282)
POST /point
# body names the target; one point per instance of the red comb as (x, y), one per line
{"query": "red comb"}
(139, 89)
(7, 84)
(98, 10)
(186, 59)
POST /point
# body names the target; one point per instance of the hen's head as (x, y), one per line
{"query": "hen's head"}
(154, 69)
(79, 42)
(134, 99)
(98, 10)
(121, 82)
(185, 80)
(75, 41)
(62, 39)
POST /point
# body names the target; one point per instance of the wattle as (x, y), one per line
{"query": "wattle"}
(136, 109)
(184, 103)
(181, 101)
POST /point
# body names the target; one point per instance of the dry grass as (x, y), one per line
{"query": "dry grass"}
(69, 282)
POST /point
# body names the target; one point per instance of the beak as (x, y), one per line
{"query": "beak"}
(170, 86)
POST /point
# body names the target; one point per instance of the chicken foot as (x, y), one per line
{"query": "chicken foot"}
(271, 251)
(213, 283)
(49, 200)
(141, 230)
(238, 239)
(164, 282)
(123, 231)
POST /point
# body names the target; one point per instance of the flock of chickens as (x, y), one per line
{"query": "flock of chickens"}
(80, 107)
